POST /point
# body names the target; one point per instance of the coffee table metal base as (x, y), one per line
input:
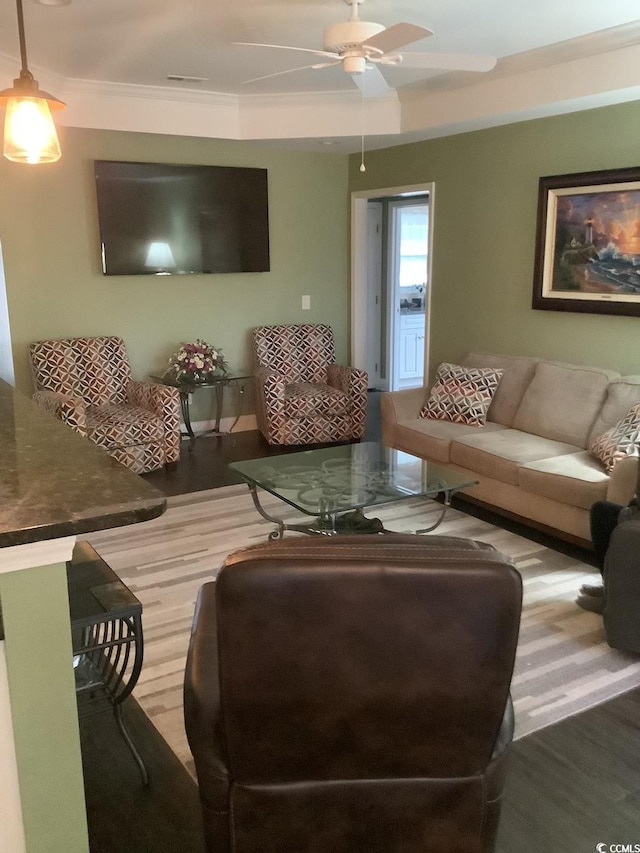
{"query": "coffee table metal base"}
(336, 523)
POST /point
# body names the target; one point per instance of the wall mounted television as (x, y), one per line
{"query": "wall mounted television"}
(165, 219)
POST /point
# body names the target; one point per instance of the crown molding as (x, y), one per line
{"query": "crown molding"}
(189, 112)
(127, 91)
(564, 78)
(583, 83)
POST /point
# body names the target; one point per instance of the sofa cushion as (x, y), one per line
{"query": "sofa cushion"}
(576, 479)
(517, 373)
(499, 455)
(619, 441)
(563, 401)
(314, 399)
(123, 426)
(622, 393)
(461, 394)
(431, 439)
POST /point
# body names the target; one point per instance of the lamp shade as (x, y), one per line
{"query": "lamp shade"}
(160, 256)
(29, 132)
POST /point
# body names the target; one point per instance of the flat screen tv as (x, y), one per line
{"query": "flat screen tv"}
(164, 219)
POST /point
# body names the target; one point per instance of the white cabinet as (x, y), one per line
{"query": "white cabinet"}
(411, 350)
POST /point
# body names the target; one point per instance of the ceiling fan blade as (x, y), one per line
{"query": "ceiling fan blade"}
(287, 47)
(372, 83)
(397, 36)
(319, 65)
(448, 61)
(279, 73)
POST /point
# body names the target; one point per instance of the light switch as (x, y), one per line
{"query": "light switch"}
(306, 303)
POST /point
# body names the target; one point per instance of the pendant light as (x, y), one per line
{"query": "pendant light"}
(29, 132)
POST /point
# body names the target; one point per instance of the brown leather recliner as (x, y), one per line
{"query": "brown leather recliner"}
(351, 693)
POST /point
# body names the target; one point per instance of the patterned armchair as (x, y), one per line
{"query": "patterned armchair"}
(303, 397)
(86, 382)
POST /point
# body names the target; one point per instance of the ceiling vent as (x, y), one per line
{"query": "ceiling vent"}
(184, 78)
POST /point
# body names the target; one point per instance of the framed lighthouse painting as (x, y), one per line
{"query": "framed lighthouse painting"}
(587, 254)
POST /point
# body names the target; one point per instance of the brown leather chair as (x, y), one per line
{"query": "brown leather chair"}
(351, 693)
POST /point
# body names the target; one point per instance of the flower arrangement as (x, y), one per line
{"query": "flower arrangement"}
(196, 362)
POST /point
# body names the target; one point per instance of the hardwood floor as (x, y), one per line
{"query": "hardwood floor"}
(576, 784)
(122, 816)
(203, 463)
(569, 786)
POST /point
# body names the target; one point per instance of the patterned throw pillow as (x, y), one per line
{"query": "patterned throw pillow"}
(617, 442)
(462, 394)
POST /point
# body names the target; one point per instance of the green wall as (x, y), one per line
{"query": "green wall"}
(35, 608)
(55, 287)
(486, 196)
(486, 188)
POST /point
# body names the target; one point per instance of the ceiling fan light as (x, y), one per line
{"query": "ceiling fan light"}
(354, 64)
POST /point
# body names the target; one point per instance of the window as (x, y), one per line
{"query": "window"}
(413, 245)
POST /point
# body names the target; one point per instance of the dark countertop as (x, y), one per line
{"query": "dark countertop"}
(54, 483)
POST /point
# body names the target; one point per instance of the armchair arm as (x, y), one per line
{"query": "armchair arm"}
(164, 400)
(70, 410)
(153, 396)
(399, 406)
(353, 382)
(270, 413)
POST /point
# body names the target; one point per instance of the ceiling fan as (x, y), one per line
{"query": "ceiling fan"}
(362, 46)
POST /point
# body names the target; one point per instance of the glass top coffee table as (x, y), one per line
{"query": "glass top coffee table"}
(334, 484)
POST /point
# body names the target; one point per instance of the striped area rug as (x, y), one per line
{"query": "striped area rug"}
(563, 665)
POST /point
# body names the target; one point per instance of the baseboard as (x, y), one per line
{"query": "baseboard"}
(245, 424)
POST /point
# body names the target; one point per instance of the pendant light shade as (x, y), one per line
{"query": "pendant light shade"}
(29, 132)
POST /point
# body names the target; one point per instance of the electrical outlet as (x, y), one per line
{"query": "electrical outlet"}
(306, 303)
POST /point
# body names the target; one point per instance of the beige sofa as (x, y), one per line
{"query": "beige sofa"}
(531, 458)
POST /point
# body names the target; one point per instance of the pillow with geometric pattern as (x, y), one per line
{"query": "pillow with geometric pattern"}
(462, 394)
(621, 440)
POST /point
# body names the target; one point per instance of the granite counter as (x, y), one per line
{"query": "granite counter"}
(54, 482)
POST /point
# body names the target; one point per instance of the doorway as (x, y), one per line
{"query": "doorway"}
(391, 254)
(406, 286)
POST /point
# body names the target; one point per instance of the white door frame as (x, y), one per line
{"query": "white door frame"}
(374, 292)
(359, 313)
